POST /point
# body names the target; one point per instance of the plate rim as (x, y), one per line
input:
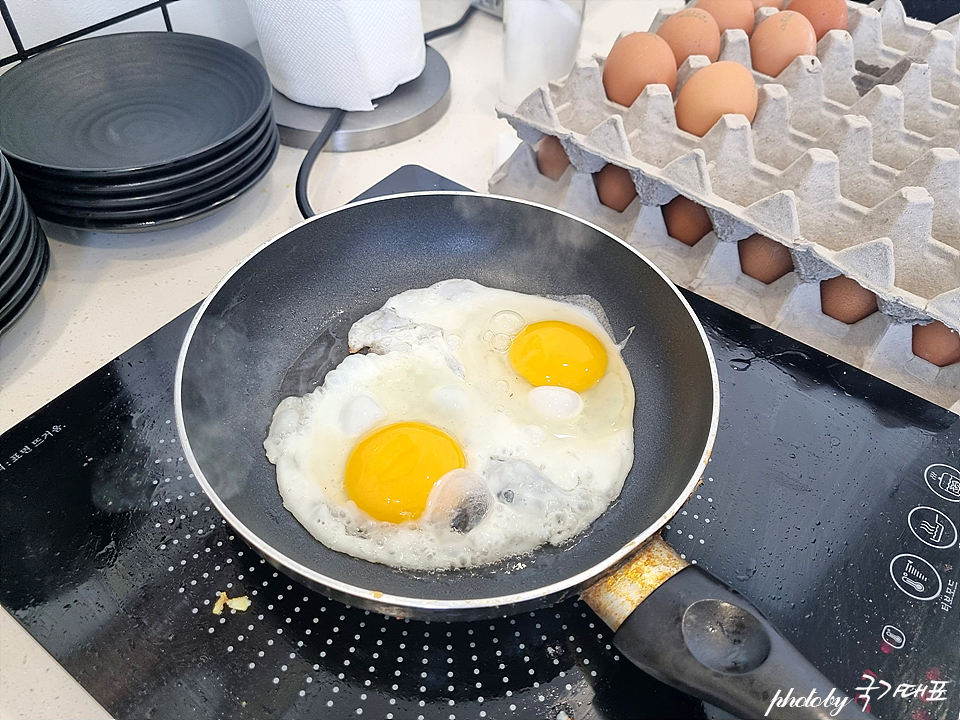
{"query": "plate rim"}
(19, 306)
(152, 201)
(17, 270)
(14, 222)
(92, 186)
(167, 223)
(106, 173)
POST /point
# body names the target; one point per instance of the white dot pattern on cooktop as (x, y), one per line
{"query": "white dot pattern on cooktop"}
(298, 650)
(691, 527)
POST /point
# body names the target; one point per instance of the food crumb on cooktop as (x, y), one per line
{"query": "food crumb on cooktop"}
(238, 603)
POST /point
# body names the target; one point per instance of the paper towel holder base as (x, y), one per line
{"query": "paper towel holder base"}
(406, 112)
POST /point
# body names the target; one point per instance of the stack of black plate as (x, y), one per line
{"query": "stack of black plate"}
(24, 253)
(137, 131)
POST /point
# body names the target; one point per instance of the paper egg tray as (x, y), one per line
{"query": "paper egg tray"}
(852, 162)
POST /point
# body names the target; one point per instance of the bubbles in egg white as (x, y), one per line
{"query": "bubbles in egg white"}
(541, 463)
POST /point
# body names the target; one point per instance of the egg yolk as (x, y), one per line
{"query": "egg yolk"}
(391, 471)
(557, 353)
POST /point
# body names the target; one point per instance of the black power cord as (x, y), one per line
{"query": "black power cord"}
(446, 30)
(303, 176)
(336, 117)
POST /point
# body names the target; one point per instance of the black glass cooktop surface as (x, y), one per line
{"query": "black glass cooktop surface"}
(831, 501)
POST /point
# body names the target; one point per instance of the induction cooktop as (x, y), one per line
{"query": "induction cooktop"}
(832, 501)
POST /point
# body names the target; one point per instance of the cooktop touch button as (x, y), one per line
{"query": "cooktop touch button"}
(893, 636)
(932, 527)
(943, 481)
(915, 577)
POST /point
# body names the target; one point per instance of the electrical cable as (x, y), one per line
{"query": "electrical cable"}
(303, 176)
(336, 117)
(427, 37)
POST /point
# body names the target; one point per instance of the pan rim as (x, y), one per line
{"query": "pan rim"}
(372, 598)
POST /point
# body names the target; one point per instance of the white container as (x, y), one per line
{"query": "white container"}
(540, 43)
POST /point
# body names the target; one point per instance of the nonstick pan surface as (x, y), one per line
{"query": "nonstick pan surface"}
(277, 323)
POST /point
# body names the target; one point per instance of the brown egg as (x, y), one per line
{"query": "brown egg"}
(691, 32)
(686, 221)
(824, 15)
(846, 300)
(779, 40)
(757, 4)
(936, 343)
(615, 187)
(763, 258)
(635, 61)
(713, 91)
(730, 13)
(552, 161)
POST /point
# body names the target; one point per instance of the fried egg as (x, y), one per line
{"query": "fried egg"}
(479, 424)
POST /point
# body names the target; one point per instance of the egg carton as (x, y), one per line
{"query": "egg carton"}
(878, 38)
(852, 162)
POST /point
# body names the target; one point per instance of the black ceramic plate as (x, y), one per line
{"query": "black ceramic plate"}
(185, 204)
(14, 239)
(16, 272)
(8, 201)
(34, 181)
(160, 220)
(13, 307)
(13, 224)
(191, 191)
(11, 205)
(123, 106)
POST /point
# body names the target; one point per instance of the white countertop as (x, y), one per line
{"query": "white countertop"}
(104, 293)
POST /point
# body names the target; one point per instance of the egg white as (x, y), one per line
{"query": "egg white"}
(437, 355)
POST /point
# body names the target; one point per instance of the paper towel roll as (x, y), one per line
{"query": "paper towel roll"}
(339, 53)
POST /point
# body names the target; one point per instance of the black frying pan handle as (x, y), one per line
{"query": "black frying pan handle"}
(697, 634)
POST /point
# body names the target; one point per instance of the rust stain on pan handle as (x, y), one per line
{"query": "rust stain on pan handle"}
(617, 595)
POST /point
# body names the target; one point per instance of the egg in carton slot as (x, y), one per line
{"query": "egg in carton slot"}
(852, 162)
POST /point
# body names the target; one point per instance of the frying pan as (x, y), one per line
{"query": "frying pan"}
(278, 322)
